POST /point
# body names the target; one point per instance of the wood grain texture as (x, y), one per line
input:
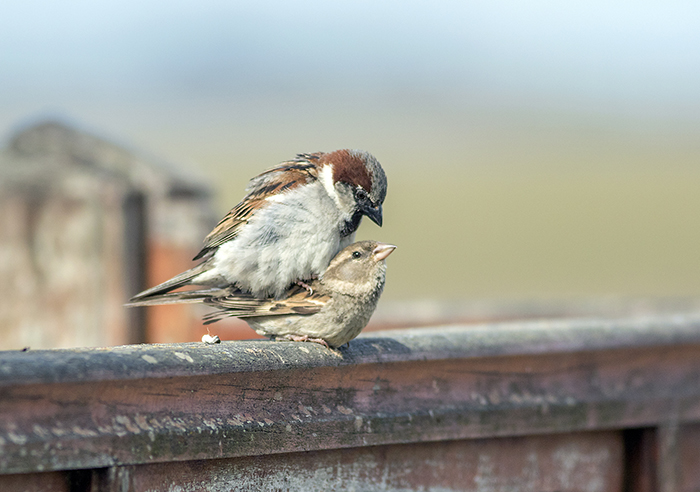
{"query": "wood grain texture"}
(689, 458)
(576, 462)
(37, 482)
(72, 409)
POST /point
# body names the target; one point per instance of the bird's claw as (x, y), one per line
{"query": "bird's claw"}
(306, 338)
(305, 286)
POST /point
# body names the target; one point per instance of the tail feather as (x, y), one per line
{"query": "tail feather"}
(241, 305)
(215, 316)
(148, 296)
(184, 297)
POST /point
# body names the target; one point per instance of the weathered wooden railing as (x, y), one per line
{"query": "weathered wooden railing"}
(595, 405)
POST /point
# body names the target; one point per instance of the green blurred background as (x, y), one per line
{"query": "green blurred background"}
(533, 150)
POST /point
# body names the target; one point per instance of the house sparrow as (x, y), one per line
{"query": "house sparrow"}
(293, 220)
(338, 308)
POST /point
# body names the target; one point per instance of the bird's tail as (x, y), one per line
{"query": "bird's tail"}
(160, 293)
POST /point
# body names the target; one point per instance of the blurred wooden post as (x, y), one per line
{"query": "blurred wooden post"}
(85, 224)
(668, 444)
(136, 267)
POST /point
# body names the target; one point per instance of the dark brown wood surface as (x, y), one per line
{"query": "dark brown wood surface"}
(130, 407)
(580, 461)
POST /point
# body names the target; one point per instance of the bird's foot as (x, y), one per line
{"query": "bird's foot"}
(305, 286)
(306, 338)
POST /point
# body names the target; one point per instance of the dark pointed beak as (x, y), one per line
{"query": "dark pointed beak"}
(374, 214)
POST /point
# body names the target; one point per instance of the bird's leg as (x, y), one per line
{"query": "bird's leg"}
(306, 338)
(321, 341)
(306, 286)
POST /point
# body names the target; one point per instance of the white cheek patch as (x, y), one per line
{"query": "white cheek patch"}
(326, 179)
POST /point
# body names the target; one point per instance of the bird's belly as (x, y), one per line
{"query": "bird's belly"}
(265, 260)
(335, 327)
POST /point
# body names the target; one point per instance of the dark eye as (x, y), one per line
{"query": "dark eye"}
(361, 194)
(356, 254)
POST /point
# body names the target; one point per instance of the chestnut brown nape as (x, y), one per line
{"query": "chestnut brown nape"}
(349, 167)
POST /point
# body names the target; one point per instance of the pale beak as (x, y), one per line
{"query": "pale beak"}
(382, 251)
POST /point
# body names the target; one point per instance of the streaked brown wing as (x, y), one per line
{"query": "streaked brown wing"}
(244, 305)
(228, 227)
(279, 179)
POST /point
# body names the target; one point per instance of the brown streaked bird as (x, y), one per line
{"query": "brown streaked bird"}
(338, 308)
(294, 219)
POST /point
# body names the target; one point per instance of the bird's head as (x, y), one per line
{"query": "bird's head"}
(359, 268)
(359, 183)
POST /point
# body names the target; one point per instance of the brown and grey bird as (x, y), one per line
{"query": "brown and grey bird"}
(338, 307)
(294, 219)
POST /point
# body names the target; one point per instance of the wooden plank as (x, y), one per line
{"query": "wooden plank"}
(641, 457)
(668, 457)
(409, 345)
(689, 457)
(70, 409)
(64, 284)
(76, 216)
(135, 260)
(575, 462)
(38, 482)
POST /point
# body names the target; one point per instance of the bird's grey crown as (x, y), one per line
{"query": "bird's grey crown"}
(379, 183)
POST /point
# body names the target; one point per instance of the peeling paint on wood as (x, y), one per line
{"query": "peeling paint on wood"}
(590, 462)
(143, 405)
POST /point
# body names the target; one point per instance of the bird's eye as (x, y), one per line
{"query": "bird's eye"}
(356, 254)
(361, 194)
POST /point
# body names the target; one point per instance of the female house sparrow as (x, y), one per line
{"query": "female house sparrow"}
(293, 220)
(340, 306)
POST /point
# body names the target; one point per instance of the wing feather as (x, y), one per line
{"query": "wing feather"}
(243, 305)
(284, 177)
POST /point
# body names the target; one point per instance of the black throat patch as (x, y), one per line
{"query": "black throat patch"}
(350, 226)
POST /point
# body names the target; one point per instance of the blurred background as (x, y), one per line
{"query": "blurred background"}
(536, 151)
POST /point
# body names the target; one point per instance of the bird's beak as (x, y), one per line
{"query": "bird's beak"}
(374, 214)
(382, 251)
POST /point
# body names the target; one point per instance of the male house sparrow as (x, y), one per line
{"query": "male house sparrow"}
(340, 306)
(292, 222)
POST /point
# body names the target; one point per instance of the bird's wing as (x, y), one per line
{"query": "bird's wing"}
(284, 177)
(243, 305)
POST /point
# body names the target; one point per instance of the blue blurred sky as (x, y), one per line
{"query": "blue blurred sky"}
(640, 59)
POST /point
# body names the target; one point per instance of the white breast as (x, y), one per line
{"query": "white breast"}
(292, 238)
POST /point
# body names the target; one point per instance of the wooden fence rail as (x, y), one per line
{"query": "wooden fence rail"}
(586, 404)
